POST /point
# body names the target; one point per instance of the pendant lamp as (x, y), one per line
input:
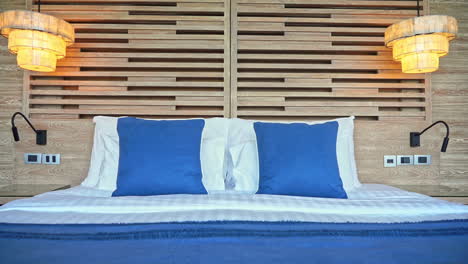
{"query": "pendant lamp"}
(39, 40)
(419, 42)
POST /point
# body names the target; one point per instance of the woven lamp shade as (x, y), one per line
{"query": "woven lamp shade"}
(37, 39)
(419, 42)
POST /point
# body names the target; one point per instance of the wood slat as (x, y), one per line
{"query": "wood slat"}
(277, 8)
(198, 7)
(342, 3)
(126, 1)
(123, 93)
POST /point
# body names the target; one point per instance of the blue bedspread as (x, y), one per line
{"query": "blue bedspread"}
(236, 242)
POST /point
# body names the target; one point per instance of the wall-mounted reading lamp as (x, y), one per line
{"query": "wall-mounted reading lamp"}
(41, 135)
(415, 136)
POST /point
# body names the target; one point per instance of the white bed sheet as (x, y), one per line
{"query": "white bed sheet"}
(370, 203)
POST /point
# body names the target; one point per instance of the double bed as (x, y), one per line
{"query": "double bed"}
(376, 224)
(229, 191)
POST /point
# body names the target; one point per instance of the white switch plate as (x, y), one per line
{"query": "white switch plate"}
(390, 161)
(417, 161)
(401, 158)
(51, 159)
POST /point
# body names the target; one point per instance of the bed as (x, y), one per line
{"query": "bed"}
(273, 199)
(377, 223)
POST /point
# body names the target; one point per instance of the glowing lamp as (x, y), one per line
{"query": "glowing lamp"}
(39, 40)
(419, 42)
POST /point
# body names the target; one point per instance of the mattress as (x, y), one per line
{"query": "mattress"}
(370, 203)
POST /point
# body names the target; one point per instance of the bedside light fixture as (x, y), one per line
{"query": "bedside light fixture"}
(419, 42)
(39, 40)
(41, 135)
(415, 136)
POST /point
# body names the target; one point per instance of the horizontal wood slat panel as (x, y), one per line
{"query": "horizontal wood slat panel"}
(278, 58)
(318, 59)
(145, 58)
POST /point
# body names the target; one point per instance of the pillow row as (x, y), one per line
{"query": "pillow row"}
(150, 157)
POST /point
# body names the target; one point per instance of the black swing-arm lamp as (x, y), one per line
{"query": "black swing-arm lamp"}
(415, 136)
(41, 135)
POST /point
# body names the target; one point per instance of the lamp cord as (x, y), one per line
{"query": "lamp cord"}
(435, 123)
(39, 6)
(21, 114)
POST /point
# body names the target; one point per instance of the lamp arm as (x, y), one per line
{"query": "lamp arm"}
(24, 117)
(415, 136)
(435, 123)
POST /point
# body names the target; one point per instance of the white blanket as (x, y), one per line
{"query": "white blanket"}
(371, 203)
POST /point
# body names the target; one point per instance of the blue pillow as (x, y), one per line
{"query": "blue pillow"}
(298, 159)
(159, 157)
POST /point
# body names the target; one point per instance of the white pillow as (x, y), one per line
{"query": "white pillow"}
(243, 168)
(104, 163)
(242, 157)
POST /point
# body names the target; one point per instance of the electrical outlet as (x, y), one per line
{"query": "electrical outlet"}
(390, 161)
(422, 159)
(403, 160)
(51, 159)
(32, 158)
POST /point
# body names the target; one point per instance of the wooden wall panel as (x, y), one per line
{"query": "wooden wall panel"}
(145, 58)
(450, 100)
(319, 59)
(11, 83)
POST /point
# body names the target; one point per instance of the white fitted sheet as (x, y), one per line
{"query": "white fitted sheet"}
(370, 203)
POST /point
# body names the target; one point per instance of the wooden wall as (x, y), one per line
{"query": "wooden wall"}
(11, 83)
(254, 91)
(450, 101)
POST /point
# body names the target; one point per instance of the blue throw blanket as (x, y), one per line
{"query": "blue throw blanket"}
(236, 242)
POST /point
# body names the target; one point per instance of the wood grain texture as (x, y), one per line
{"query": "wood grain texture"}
(11, 82)
(29, 190)
(73, 139)
(450, 97)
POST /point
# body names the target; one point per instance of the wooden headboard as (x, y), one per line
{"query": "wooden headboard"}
(286, 59)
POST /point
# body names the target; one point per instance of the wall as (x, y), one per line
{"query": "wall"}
(11, 83)
(448, 176)
(450, 101)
